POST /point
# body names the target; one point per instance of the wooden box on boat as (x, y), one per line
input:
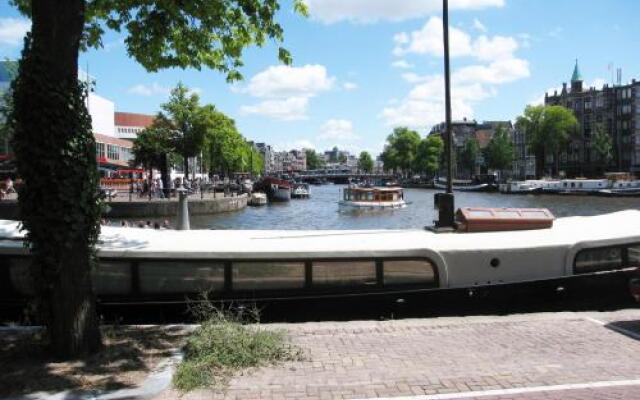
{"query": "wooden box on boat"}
(479, 219)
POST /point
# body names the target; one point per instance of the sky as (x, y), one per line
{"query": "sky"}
(363, 67)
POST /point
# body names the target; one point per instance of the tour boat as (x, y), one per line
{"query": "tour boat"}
(258, 199)
(372, 197)
(146, 265)
(300, 191)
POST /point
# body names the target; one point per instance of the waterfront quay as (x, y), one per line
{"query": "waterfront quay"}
(565, 355)
(124, 206)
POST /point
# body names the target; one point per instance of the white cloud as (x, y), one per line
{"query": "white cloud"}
(412, 77)
(479, 25)
(349, 86)
(497, 72)
(497, 47)
(556, 33)
(12, 30)
(298, 144)
(428, 40)
(369, 11)
(340, 130)
(402, 64)
(149, 90)
(285, 81)
(424, 103)
(285, 90)
(597, 83)
(156, 89)
(289, 109)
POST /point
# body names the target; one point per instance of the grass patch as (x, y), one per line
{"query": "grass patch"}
(227, 341)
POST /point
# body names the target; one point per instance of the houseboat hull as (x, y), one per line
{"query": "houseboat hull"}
(482, 187)
(142, 265)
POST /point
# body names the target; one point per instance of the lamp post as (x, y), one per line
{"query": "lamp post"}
(445, 201)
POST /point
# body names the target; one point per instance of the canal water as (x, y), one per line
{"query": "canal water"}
(321, 211)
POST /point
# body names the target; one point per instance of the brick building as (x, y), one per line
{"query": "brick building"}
(616, 109)
(464, 130)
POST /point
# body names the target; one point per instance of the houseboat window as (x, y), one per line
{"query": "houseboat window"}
(112, 277)
(602, 259)
(344, 273)
(260, 275)
(181, 276)
(403, 272)
(19, 274)
(634, 255)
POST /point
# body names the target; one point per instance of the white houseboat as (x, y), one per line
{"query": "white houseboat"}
(372, 197)
(141, 265)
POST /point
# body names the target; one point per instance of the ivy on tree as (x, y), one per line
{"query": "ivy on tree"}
(54, 146)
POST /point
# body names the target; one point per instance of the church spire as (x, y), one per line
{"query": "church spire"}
(576, 77)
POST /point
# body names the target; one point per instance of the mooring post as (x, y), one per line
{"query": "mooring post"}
(183, 209)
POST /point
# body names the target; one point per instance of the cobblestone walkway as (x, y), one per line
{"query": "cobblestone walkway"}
(449, 357)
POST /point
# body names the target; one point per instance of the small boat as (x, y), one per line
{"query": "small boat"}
(258, 199)
(626, 192)
(300, 191)
(373, 197)
(276, 189)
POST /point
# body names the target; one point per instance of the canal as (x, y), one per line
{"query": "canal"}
(321, 211)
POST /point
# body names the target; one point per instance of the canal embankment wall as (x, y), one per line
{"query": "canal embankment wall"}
(149, 209)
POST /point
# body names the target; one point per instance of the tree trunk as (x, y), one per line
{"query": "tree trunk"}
(164, 175)
(540, 160)
(55, 153)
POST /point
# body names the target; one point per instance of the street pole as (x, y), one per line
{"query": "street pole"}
(445, 201)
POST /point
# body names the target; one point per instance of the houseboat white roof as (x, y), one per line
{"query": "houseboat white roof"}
(238, 244)
(461, 259)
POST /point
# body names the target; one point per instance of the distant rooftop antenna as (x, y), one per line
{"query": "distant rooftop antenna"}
(619, 76)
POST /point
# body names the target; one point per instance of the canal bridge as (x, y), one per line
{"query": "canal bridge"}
(341, 176)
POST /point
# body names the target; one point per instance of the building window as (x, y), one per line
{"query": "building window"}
(100, 150)
(112, 152)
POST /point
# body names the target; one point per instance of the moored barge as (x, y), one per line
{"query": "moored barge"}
(151, 266)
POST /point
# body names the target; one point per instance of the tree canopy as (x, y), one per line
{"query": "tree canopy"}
(548, 130)
(499, 153)
(193, 34)
(602, 146)
(400, 149)
(428, 155)
(469, 154)
(365, 162)
(313, 160)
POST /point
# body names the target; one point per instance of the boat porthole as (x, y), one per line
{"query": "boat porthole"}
(495, 263)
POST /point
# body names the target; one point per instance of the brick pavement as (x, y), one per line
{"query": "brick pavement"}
(372, 359)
